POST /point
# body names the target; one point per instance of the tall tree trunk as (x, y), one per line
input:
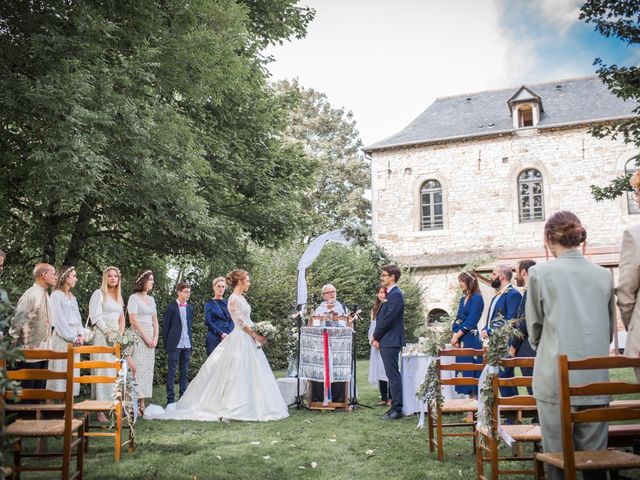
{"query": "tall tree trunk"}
(79, 236)
(51, 221)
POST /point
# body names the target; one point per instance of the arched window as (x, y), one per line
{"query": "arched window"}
(436, 315)
(431, 205)
(530, 195)
(632, 204)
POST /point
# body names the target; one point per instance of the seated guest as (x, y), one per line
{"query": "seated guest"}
(330, 306)
(216, 315)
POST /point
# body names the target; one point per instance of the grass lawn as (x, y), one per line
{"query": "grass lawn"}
(335, 442)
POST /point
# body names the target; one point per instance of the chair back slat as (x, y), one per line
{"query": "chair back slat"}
(606, 414)
(38, 354)
(462, 367)
(518, 400)
(526, 362)
(605, 388)
(95, 349)
(515, 382)
(461, 352)
(89, 379)
(459, 381)
(93, 364)
(604, 363)
(35, 374)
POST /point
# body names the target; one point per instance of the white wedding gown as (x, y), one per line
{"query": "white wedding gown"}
(235, 383)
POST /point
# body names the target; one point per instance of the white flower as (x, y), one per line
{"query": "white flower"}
(314, 464)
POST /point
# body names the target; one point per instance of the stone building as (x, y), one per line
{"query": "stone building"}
(474, 177)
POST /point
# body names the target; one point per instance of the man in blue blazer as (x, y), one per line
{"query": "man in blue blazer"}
(503, 307)
(176, 333)
(388, 336)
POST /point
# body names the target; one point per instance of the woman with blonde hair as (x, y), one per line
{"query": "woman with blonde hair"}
(216, 315)
(107, 315)
(67, 325)
(143, 317)
(236, 381)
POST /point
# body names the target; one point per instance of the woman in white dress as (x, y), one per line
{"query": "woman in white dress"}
(377, 375)
(67, 325)
(107, 314)
(236, 381)
(143, 317)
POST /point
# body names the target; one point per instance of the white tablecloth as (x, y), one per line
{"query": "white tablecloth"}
(413, 369)
(289, 387)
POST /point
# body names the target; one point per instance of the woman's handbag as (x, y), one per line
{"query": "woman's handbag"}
(88, 339)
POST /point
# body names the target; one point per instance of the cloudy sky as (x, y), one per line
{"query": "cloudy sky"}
(386, 60)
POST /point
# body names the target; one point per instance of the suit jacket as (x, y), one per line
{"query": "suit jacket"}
(390, 321)
(218, 320)
(628, 287)
(172, 326)
(522, 346)
(570, 310)
(505, 307)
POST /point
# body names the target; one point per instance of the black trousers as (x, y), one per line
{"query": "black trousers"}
(32, 384)
(391, 361)
(385, 394)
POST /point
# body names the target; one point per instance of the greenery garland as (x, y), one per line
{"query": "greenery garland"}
(498, 348)
(430, 390)
(126, 388)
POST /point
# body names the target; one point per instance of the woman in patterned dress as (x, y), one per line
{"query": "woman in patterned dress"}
(143, 317)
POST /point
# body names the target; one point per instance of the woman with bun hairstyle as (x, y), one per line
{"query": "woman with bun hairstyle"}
(570, 311)
(236, 381)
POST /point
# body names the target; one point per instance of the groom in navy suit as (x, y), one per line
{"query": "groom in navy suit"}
(176, 333)
(388, 336)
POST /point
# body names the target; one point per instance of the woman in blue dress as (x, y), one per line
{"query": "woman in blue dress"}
(465, 327)
(216, 315)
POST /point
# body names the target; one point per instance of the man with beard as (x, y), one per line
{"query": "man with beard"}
(520, 347)
(503, 307)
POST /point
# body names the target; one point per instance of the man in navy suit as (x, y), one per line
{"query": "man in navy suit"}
(503, 307)
(176, 333)
(388, 336)
(520, 347)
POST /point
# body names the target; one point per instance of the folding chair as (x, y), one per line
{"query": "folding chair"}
(570, 460)
(453, 406)
(488, 451)
(105, 406)
(66, 427)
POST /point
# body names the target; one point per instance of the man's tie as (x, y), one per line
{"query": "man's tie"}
(182, 304)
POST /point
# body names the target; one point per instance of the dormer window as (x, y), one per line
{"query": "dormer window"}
(526, 108)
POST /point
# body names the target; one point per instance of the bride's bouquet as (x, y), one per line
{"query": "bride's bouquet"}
(266, 329)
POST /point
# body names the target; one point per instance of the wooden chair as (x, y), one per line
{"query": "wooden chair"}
(105, 406)
(488, 450)
(65, 427)
(453, 406)
(569, 460)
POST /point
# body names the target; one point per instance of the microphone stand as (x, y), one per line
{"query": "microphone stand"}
(299, 315)
(354, 403)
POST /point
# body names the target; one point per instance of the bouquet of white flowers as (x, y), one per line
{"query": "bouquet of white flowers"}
(266, 329)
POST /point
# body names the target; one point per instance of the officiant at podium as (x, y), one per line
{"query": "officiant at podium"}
(335, 314)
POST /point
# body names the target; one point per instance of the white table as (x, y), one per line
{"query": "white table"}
(413, 370)
(289, 388)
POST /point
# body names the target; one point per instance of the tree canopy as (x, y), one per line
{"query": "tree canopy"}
(144, 126)
(618, 19)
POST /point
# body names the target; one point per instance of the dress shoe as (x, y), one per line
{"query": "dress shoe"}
(392, 415)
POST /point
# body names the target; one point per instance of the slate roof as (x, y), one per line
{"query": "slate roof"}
(566, 102)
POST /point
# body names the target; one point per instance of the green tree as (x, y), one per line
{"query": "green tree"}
(329, 136)
(133, 130)
(618, 19)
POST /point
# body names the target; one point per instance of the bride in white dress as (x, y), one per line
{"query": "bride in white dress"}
(236, 381)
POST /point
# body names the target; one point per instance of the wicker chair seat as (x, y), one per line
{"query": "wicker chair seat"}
(459, 405)
(94, 405)
(34, 407)
(41, 428)
(596, 460)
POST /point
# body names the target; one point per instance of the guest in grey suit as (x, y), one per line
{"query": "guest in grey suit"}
(570, 310)
(629, 281)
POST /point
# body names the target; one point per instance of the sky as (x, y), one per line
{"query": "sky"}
(388, 60)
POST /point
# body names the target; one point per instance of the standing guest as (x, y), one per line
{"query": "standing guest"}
(176, 334)
(503, 307)
(106, 314)
(216, 315)
(570, 311)
(144, 321)
(520, 346)
(32, 322)
(465, 328)
(388, 336)
(629, 281)
(377, 376)
(67, 326)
